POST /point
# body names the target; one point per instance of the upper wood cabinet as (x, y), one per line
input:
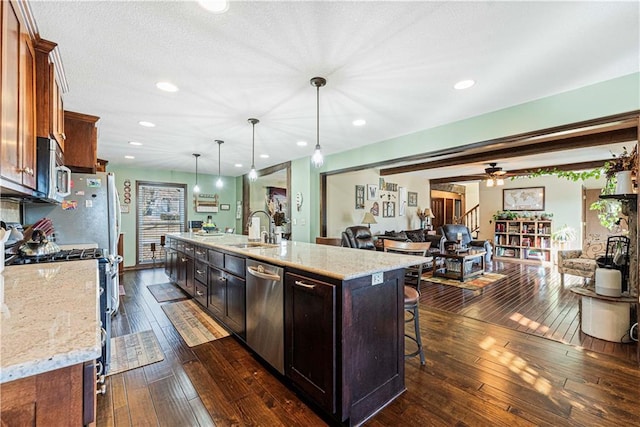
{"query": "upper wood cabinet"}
(18, 108)
(50, 112)
(81, 143)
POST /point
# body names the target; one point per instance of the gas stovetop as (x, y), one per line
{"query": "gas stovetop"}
(63, 255)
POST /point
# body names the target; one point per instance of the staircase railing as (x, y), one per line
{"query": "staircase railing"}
(471, 219)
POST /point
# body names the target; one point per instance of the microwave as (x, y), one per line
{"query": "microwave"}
(53, 178)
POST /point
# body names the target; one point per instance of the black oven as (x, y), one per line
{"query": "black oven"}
(107, 297)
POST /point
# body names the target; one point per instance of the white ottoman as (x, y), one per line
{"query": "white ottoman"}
(608, 282)
(606, 320)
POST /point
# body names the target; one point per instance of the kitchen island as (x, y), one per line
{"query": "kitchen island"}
(343, 313)
(50, 335)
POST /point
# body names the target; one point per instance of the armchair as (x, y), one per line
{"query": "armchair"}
(358, 237)
(580, 262)
(450, 232)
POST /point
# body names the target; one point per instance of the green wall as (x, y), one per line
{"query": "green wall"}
(207, 184)
(607, 98)
(603, 99)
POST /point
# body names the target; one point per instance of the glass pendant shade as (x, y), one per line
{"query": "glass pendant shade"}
(219, 183)
(317, 159)
(196, 188)
(253, 174)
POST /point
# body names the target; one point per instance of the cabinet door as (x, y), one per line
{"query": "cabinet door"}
(236, 304)
(310, 362)
(9, 123)
(190, 281)
(27, 107)
(217, 292)
(81, 143)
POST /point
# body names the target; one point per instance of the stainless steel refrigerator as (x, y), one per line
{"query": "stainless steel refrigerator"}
(89, 215)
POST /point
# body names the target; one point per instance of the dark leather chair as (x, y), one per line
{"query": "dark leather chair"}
(450, 233)
(358, 237)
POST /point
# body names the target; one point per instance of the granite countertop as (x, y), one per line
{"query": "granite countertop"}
(49, 317)
(330, 261)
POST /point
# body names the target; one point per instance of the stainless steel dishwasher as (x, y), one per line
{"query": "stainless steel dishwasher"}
(265, 312)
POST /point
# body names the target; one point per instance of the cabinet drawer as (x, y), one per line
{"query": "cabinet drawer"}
(234, 264)
(200, 253)
(200, 294)
(216, 259)
(200, 272)
(189, 249)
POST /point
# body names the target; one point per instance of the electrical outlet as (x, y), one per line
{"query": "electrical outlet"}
(377, 278)
(294, 221)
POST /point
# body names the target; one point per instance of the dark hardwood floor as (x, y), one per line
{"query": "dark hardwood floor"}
(478, 373)
(531, 299)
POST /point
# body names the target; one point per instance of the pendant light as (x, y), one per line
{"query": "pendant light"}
(196, 188)
(219, 183)
(316, 158)
(253, 175)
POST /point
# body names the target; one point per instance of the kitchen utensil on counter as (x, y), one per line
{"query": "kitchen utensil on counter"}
(38, 245)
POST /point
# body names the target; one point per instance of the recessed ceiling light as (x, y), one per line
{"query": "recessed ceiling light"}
(301, 143)
(359, 122)
(214, 6)
(238, 165)
(264, 156)
(464, 84)
(129, 157)
(135, 143)
(147, 124)
(167, 86)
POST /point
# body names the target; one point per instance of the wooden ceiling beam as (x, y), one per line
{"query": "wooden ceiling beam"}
(523, 172)
(535, 146)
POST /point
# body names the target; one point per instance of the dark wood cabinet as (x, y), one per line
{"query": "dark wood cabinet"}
(184, 273)
(81, 143)
(217, 292)
(310, 313)
(236, 304)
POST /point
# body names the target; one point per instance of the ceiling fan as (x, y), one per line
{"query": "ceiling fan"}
(495, 175)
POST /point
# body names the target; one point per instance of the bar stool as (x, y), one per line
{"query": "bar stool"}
(411, 297)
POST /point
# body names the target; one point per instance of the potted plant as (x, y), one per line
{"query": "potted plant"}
(546, 216)
(621, 169)
(563, 236)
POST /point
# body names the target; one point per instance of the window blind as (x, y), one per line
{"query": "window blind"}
(160, 210)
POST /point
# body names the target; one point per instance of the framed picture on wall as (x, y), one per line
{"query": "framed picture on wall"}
(523, 199)
(372, 192)
(359, 196)
(412, 199)
(388, 209)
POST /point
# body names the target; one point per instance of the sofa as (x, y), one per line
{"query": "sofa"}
(448, 232)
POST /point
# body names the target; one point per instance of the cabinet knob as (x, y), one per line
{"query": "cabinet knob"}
(199, 293)
(102, 389)
(63, 135)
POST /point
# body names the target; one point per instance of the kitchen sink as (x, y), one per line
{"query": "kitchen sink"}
(250, 245)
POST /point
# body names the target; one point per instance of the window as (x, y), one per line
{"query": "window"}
(161, 210)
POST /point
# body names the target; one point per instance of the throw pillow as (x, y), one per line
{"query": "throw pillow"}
(415, 235)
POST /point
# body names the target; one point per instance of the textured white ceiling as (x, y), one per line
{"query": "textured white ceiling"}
(391, 63)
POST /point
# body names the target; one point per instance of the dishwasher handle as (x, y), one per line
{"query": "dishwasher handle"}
(262, 274)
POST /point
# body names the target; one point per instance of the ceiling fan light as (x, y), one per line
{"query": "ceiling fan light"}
(499, 181)
(490, 182)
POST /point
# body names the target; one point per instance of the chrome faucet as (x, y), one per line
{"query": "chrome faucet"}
(270, 236)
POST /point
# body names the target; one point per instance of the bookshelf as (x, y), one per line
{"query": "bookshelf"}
(522, 239)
